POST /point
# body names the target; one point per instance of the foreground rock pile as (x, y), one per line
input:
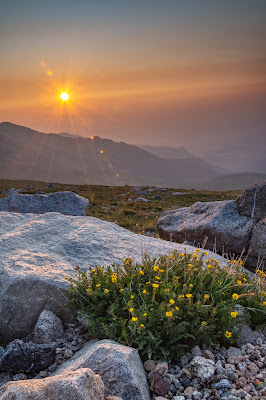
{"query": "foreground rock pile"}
(233, 374)
(228, 227)
(56, 362)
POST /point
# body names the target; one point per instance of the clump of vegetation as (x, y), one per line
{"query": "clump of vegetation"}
(164, 306)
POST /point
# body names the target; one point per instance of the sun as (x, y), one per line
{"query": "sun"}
(64, 96)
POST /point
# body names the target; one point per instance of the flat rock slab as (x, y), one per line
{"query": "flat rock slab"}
(120, 368)
(219, 221)
(82, 384)
(67, 203)
(38, 251)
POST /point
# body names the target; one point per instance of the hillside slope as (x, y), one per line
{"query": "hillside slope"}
(28, 154)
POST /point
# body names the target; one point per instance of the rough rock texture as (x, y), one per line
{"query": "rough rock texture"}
(79, 385)
(48, 328)
(120, 368)
(203, 368)
(67, 203)
(27, 357)
(252, 202)
(226, 229)
(257, 245)
(38, 251)
(247, 335)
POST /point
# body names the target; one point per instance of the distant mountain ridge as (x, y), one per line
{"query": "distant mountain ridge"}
(166, 151)
(28, 154)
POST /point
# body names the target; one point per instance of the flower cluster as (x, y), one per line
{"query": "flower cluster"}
(168, 304)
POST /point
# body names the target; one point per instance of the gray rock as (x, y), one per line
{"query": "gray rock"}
(196, 351)
(4, 378)
(252, 202)
(27, 357)
(142, 199)
(82, 384)
(33, 264)
(67, 203)
(203, 368)
(247, 335)
(257, 247)
(233, 352)
(48, 328)
(120, 368)
(219, 221)
(223, 384)
(20, 377)
(2, 350)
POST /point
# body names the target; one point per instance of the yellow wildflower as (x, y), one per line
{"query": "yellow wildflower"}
(145, 314)
(177, 308)
(206, 296)
(155, 285)
(65, 277)
(235, 296)
(144, 291)
(234, 314)
(147, 283)
(134, 319)
(156, 268)
(206, 253)
(171, 301)
(141, 272)
(239, 282)
(189, 295)
(106, 290)
(141, 325)
(93, 270)
(131, 309)
(191, 285)
(264, 303)
(228, 334)
(98, 285)
(181, 296)
(166, 290)
(132, 297)
(88, 290)
(169, 313)
(209, 266)
(158, 278)
(121, 290)
(204, 323)
(190, 265)
(161, 270)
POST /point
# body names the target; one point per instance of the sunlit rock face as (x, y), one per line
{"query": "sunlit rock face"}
(67, 203)
(38, 251)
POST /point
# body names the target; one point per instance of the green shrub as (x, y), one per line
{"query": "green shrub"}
(165, 306)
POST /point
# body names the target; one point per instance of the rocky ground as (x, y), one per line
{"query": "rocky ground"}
(225, 374)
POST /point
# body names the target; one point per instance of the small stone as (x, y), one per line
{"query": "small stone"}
(203, 368)
(254, 369)
(185, 360)
(20, 377)
(43, 374)
(209, 355)
(178, 398)
(196, 351)
(233, 352)
(223, 384)
(189, 391)
(4, 378)
(2, 350)
(197, 395)
(159, 385)
(149, 365)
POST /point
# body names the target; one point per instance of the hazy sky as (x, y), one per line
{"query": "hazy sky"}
(174, 72)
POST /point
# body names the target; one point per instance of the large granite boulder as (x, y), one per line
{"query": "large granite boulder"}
(38, 251)
(82, 384)
(120, 368)
(257, 247)
(252, 202)
(67, 203)
(226, 230)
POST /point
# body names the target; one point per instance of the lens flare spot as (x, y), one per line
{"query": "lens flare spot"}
(101, 151)
(64, 96)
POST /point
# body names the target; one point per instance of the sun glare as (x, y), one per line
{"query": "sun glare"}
(64, 96)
